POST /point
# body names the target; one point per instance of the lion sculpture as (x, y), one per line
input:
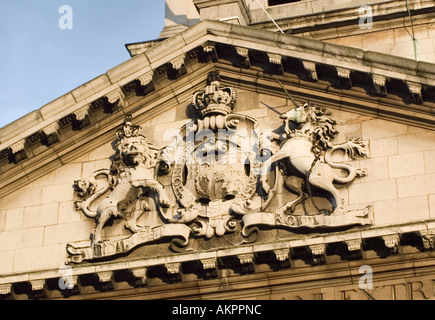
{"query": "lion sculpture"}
(130, 177)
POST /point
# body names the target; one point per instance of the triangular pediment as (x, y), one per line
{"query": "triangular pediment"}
(350, 79)
(335, 138)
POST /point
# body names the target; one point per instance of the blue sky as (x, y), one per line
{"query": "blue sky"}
(40, 62)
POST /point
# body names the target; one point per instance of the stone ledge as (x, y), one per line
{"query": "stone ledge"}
(295, 20)
(246, 256)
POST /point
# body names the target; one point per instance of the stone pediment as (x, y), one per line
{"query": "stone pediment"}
(330, 130)
(346, 78)
(177, 212)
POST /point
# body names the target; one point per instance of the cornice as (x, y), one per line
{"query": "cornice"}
(378, 84)
(295, 18)
(406, 249)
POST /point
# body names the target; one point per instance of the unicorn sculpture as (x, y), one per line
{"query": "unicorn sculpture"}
(308, 134)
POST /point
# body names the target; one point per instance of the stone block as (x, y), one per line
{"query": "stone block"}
(68, 232)
(401, 210)
(2, 220)
(46, 180)
(271, 122)
(382, 48)
(420, 32)
(164, 49)
(184, 87)
(306, 45)
(395, 63)
(344, 52)
(123, 70)
(56, 106)
(371, 40)
(81, 159)
(372, 191)
(68, 173)
(83, 91)
(412, 130)
(408, 164)
(21, 198)
(57, 193)
(67, 213)
(229, 10)
(255, 113)
(416, 185)
(195, 35)
(47, 257)
(421, 141)
(431, 30)
(425, 46)
(271, 101)
(246, 101)
(182, 112)
(103, 152)
(426, 68)
(355, 41)
(38, 216)
(426, 57)
(383, 147)
(343, 117)
(100, 83)
(24, 238)
(14, 128)
(167, 130)
(14, 219)
(403, 49)
(180, 12)
(164, 117)
(90, 167)
(347, 132)
(6, 262)
(300, 8)
(377, 169)
(432, 205)
(378, 128)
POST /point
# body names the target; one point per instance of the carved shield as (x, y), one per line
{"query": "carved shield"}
(219, 167)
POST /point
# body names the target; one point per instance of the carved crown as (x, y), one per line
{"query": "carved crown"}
(129, 131)
(214, 100)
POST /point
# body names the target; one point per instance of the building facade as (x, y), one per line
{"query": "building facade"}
(256, 150)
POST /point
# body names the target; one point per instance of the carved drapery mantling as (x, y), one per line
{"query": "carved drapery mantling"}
(223, 177)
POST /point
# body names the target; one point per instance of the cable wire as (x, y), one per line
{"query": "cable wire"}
(414, 40)
(276, 78)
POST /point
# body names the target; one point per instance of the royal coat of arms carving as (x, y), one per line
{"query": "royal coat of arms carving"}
(223, 176)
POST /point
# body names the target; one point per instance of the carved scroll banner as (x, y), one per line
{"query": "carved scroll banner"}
(179, 233)
(353, 217)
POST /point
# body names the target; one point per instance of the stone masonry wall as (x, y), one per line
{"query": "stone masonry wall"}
(391, 36)
(37, 221)
(395, 41)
